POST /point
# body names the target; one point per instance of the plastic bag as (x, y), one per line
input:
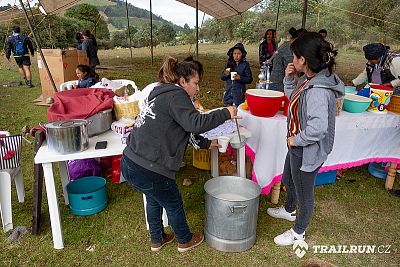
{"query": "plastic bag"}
(83, 167)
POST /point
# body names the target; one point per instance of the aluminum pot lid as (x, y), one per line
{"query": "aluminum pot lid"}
(66, 124)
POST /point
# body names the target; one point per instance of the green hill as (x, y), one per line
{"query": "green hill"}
(114, 12)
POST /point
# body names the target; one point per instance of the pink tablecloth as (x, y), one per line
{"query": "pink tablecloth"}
(360, 138)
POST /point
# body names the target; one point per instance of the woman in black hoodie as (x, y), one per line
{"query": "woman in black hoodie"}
(156, 146)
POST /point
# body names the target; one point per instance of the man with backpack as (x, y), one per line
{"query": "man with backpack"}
(20, 45)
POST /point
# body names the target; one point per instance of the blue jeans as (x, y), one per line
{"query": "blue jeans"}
(161, 192)
(299, 188)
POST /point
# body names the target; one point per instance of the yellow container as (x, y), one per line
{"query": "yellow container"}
(394, 105)
(202, 159)
(380, 100)
(127, 110)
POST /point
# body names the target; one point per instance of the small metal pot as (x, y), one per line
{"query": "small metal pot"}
(99, 122)
(66, 137)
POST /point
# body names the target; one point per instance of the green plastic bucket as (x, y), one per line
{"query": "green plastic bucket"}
(87, 195)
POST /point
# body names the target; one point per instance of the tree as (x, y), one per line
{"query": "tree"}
(119, 39)
(166, 33)
(132, 30)
(92, 18)
(142, 37)
(186, 29)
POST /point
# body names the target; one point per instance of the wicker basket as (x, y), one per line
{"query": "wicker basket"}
(202, 159)
(126, 110)
(394, 105)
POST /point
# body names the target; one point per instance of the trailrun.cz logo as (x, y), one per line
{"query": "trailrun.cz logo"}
(300, 248)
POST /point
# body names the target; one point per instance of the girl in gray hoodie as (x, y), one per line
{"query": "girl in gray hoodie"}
(311, 128)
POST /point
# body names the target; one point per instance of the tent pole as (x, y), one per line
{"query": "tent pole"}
(151, 33)
(38, 47)
(197, 29)
(277, 15)
(129, 29)
(303, 21)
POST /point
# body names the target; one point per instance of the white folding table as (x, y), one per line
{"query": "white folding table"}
(115, 146)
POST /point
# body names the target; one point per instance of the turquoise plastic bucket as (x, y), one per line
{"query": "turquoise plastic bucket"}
(356, 103)
(87, 195)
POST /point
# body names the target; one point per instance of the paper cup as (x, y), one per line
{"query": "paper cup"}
(233, 73)
(223, 141)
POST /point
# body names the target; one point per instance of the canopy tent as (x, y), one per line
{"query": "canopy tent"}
(216, 8)
(221, 8)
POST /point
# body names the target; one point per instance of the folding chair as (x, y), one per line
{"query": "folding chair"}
(10, 169)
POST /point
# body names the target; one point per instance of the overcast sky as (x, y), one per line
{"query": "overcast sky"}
(171, 10)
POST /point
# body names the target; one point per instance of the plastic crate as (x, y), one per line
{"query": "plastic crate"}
(202, 159)
(326, 178)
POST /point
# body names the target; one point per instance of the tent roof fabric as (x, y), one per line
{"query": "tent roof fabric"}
(216, 8)
(222, 8)
(57, 7)
(51, 7)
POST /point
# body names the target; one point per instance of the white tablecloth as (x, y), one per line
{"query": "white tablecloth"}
(360, 138)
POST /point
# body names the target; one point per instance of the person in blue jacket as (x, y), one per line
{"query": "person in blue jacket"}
(236, 83)
(86, 76)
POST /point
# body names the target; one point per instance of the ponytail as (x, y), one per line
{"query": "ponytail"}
(167, 73)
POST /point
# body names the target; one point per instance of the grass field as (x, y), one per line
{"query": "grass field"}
(357, 210)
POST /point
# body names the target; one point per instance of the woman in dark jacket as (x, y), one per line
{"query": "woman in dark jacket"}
(86, 76)
(268, 47)
(236, 83)
(156, 147)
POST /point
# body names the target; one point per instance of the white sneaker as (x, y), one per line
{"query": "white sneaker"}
(281, 213)
(288, 238)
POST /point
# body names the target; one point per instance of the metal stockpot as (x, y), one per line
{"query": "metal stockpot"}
(69, 136)
(231, 213)
(99, 122)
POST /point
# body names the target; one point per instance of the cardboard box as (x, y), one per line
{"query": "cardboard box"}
(62, 65)
(82, 58)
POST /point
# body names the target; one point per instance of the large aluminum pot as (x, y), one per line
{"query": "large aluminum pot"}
(99, 122)
(66, 137)
(231, 213)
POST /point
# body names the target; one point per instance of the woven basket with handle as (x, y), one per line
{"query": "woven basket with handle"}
(394, 105)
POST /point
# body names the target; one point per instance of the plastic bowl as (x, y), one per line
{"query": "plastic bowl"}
(350, 89)
(264, 103)
(356, 103)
